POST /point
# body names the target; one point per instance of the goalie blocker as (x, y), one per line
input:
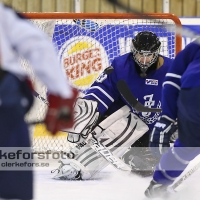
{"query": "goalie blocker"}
(117, 132)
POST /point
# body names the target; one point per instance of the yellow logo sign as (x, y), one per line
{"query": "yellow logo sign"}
(83, 59)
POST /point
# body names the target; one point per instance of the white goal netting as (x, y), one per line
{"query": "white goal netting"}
(85, 48)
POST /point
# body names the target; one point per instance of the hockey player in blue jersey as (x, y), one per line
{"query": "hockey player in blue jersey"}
(181, 99)
(144, 70)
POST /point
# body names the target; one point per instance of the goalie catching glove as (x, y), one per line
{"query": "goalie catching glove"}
(60, 114)
(159, 141)
(86, 117)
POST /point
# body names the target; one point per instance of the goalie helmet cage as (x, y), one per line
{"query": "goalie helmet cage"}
(86, 44)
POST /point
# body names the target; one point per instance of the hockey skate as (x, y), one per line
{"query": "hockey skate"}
(142, 163)
(156, 190)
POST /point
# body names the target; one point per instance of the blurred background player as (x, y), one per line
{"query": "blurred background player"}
(144, 70)
(181, 99)
(18, 37)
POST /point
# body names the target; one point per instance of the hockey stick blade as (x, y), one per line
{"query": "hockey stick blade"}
(129, 97)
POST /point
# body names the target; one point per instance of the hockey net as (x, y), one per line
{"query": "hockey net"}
(86, 44)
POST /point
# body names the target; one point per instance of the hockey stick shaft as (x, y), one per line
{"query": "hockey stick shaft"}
(100, 149)
(37, 95)
(178, 29)
(31, 123)
(186, 176)
(40, 97)
(107, 155)
(132, 101)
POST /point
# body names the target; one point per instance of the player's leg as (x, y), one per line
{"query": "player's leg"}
(14, 184)
(171, 165)
(14, 133)
(117, 138)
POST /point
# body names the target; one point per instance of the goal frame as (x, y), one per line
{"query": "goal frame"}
(150, 16)
(44, 142)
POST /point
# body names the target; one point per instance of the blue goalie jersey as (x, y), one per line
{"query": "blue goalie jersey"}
(146, 90)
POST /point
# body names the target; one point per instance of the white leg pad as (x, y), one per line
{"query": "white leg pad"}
(118, 137)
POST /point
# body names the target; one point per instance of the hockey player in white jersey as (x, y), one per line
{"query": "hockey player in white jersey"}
(144, 70)
(19, 38)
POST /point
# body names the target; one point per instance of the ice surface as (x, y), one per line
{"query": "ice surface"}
(110, 184)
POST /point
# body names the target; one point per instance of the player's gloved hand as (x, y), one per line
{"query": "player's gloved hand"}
(159, 140)
(60, 114)
(86, 117)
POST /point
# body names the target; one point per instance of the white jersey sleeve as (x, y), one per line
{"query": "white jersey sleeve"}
(19, 38)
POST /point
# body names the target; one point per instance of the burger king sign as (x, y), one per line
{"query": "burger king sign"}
(83, 59)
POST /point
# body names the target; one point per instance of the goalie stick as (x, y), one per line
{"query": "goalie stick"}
(107, 155)
(132, 101)
(103, 151)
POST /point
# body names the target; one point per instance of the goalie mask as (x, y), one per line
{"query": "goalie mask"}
(145, 49)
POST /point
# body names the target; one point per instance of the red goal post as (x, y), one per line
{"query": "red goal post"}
(87, 43)
(147, 16)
